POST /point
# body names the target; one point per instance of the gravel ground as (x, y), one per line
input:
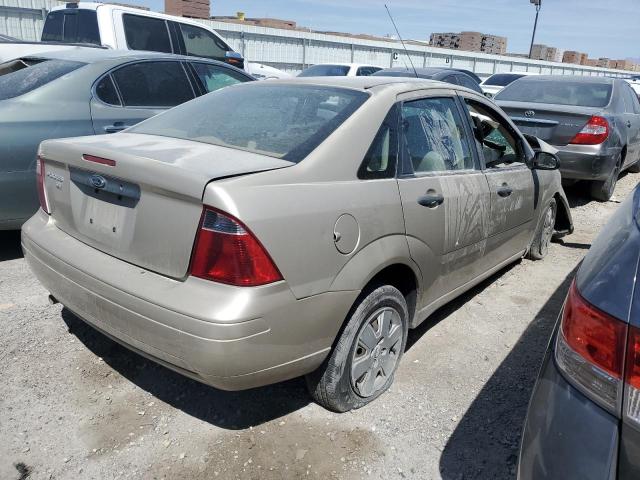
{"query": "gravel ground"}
(73, 404)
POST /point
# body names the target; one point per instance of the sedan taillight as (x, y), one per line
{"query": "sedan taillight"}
(595, 132)
(226, 251)
(590, 350)
(42, 193)
(632, 377)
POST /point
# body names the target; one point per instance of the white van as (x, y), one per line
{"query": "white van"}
(126, 28)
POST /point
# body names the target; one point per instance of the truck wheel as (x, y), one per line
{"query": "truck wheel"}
(542, 238)
(364, 360)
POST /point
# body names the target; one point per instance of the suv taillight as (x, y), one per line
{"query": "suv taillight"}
(594, 132)
(226, 251)
(42, 193)
(590, 350)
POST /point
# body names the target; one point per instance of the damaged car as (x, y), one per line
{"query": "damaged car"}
(291, 227)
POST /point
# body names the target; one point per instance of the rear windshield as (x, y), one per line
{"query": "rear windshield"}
(558, 92)
(502, 79)
(326, 71)
(16, 82)
(72, 25)
(281, 121)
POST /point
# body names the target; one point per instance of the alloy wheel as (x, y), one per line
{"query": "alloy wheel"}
(376, 351)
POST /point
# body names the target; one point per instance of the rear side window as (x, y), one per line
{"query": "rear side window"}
(502, 79)
(282, 121)
(630, 99)
(71, 26)
(146, 33)
(153, 84)
(466, 81)
(381, 158)
(214, 77)
(106, 91)
(198, 42)
(559, 92)
(366, 71)
(27, 79)
(326, 71)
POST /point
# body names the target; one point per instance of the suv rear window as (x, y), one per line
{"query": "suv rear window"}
(558, 92)
(282, 121)
(25, 80)
(71, 26)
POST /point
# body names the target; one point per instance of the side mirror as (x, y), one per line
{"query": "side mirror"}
(546, 161)
(234, 58)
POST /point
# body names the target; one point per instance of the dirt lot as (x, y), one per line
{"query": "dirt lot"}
(73, 404)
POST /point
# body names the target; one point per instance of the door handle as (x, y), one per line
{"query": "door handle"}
(505, 190)
(431, 200)
(116, 127)
(628, 123)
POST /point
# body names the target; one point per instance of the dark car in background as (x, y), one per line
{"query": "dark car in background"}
(86, 91)
(584, 416)
(594, 122)
(449, 75)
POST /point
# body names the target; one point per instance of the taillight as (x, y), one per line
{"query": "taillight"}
(594, 132)
(42, 193)
(632, 377)
(590, 350)
(226, 251)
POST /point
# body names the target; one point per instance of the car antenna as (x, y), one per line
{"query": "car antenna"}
(402, 41)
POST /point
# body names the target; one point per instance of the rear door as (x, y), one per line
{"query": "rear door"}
(510, 181)
(136, 91)
(445, 196)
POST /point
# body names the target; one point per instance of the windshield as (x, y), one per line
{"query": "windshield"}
(325, 71)
(282, 121)
(502, 79)
(558, 92)
(16, 82)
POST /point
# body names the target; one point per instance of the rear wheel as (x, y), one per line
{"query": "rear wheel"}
(542, 239)
(362, 364)
(603, 191)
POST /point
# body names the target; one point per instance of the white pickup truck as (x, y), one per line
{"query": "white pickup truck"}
(126, 28)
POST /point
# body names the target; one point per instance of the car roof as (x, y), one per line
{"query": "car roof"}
(419, 71)
(367, 83)
(343, 64)
(573, 78)
(95, 55)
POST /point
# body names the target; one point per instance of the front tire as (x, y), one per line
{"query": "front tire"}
(603, 191)
(362, 365)
(542, 238)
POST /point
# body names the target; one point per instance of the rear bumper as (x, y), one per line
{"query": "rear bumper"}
(586, 162)
(566, 436)
(231, 338)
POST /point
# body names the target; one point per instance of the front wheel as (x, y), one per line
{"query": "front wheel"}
(364, 360)
(542, 239)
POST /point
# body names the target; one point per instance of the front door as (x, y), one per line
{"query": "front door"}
(510, 180)
(445, 196)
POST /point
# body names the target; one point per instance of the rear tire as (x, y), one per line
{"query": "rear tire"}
(603, 191)
(363, 362)
(542, 238)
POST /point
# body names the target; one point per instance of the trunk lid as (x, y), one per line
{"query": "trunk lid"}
(146, 208)
(555, 124)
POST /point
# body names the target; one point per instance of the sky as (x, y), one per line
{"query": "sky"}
(600, 28)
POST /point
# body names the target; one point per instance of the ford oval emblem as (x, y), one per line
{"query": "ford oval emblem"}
(529, 113)
(97, 181)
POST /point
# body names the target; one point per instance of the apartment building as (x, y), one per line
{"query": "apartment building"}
(571, 56)
(470, 41)
(545, 52)
(603, 62)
